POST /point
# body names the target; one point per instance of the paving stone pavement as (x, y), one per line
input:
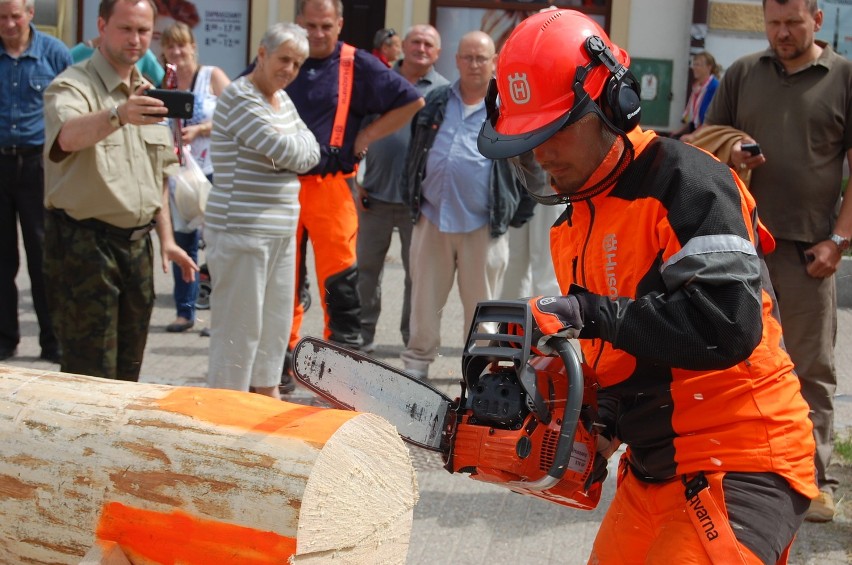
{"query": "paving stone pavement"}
(456, 519)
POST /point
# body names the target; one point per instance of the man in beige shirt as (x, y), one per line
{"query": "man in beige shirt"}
(107, 157)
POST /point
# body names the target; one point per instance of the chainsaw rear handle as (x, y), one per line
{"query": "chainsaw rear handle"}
(570, 419)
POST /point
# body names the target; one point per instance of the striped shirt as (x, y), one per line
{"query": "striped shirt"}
(257, 153)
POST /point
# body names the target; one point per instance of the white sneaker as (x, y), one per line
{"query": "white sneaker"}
(821, 508)
(368, 347)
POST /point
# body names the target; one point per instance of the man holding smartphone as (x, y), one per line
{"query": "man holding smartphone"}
(107, 157)
(796, 181)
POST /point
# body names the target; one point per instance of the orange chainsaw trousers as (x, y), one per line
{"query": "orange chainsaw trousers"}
(329, 219)
(654, 523)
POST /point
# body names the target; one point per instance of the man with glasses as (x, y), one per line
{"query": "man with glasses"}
(461, 208)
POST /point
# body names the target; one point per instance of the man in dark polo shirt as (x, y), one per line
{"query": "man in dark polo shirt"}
(329, 217)
(383, 208)
(805, 134)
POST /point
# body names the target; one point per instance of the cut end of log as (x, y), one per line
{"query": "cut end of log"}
(359, 502)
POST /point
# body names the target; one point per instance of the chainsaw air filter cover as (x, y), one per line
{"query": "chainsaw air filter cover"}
(497, 400)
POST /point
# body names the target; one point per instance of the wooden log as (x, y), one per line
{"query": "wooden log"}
(194, 476)
(105, 553)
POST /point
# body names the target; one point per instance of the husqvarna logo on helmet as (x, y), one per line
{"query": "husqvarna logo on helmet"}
(519, 88)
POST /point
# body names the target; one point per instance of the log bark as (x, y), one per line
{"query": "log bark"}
(194, 476)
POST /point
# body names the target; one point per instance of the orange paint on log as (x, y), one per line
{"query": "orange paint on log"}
(253, 412)
(178, 537)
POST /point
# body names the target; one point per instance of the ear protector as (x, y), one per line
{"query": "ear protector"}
(621, 92)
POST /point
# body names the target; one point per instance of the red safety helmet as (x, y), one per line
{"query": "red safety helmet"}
(551, 70)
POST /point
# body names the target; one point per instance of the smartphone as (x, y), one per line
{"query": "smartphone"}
(752, 148)
(180, 103)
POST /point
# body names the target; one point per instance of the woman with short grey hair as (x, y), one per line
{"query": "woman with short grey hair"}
(259, 146)
(286, 32)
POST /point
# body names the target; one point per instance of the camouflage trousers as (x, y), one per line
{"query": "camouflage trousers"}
(100, 290)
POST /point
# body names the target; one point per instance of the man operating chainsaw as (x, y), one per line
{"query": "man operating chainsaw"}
(660, 257)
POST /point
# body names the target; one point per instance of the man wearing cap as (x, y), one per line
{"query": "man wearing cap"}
(660, 259)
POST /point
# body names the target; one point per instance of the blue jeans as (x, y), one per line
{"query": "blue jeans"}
(186, 293)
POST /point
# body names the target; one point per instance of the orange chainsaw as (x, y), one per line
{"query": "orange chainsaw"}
(523, 421)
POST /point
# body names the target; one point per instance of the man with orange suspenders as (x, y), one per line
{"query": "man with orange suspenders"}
(337, 86)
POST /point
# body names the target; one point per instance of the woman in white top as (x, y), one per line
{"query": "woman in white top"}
(207, 83)
(259, 146)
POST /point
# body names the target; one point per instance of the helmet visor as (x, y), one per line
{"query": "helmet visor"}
(535, 180)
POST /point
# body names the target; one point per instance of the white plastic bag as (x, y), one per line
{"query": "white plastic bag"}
(191, 188)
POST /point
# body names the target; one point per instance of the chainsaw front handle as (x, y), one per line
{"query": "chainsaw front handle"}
(570, 419)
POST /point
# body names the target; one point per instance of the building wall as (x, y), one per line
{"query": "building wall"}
(735, 29)
(660, 29)
(656, 29)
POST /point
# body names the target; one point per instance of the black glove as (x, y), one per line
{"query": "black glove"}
(599, 471)
(554, 316)
(605, 448)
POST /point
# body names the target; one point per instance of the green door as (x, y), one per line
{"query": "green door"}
(655, 77)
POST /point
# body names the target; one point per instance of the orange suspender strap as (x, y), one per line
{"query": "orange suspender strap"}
(710, 522)
(345, 80)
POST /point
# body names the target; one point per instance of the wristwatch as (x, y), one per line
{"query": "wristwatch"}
(841, 242)
(114, 118)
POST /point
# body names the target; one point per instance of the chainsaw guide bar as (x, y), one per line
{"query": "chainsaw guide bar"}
(353, 381)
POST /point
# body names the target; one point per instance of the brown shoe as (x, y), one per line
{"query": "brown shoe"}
(821, 508)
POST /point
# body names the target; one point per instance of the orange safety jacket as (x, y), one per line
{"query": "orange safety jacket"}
(680, 322)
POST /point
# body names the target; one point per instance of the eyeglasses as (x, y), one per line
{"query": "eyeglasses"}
(478, 59)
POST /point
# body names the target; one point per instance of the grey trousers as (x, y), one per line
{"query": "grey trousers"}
(376, 225)
(808, 308)
(530, 271)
